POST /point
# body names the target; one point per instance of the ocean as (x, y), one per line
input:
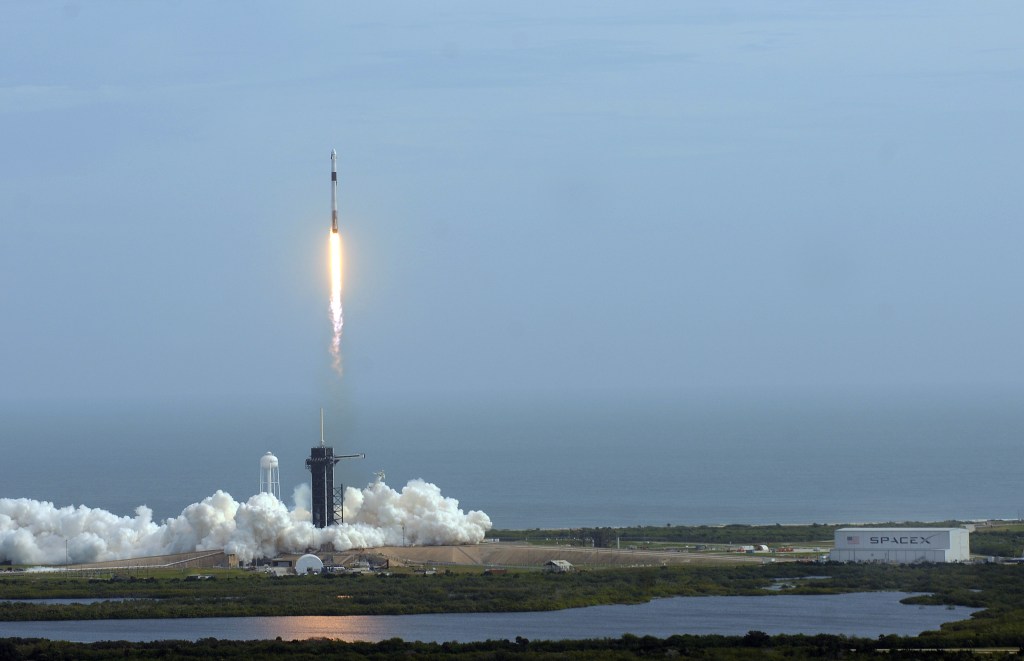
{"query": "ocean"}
(554, 461)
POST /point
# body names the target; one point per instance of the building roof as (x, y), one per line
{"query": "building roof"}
(893, 528)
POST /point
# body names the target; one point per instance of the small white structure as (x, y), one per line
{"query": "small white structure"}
(558, 566)
(279, 567)
(270, 476)
(308, 564)
(901, 545)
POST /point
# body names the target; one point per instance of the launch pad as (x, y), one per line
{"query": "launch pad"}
(328, 501)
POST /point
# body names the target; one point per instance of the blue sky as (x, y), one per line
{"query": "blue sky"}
(591, 196)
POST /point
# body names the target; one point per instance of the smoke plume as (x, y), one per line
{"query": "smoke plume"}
(34, 532)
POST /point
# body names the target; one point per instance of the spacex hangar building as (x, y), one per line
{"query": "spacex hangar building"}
(901, 545)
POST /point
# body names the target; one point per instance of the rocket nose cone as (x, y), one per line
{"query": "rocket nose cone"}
(334, 154)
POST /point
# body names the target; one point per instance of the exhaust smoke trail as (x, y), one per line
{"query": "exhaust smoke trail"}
(337, 317)
(33, 531)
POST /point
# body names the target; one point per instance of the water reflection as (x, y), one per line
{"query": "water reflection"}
(349, 628)
(865, 614)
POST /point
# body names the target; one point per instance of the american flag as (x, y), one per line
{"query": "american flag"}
(853, 539)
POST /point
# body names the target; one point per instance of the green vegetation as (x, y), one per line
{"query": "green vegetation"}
(236, 593)
(242, 594)
(754, 645)
(814, 533)
(1004, 540)
(999, 589)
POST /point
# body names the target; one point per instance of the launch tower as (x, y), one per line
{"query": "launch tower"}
(328, 500)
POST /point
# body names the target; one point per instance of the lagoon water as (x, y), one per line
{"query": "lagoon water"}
(860, 614)
(556, 462)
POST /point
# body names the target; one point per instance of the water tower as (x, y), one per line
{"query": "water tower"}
(270, 477)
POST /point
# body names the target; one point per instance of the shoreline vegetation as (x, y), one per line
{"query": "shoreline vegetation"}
(753, 645)
(163, 593)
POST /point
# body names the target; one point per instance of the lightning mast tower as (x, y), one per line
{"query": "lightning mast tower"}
(328, 500)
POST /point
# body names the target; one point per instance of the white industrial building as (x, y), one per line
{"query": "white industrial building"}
(309, 564)
(901, 545)
(558, 567)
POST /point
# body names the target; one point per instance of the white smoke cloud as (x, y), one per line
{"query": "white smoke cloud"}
(302, 499)
(34, 532)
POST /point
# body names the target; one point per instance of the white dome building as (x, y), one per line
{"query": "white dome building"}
(307, 564)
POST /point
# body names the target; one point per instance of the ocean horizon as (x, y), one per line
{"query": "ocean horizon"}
(551, 464)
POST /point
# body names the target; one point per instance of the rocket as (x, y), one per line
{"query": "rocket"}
(334, 192)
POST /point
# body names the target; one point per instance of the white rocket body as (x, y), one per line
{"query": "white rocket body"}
(334, 192)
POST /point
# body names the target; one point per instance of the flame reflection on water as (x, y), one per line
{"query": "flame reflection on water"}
(348, 628)
(861, 614)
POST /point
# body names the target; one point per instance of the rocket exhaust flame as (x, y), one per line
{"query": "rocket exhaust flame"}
(337, 317)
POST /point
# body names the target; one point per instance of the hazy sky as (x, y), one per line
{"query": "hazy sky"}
(535, 197)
